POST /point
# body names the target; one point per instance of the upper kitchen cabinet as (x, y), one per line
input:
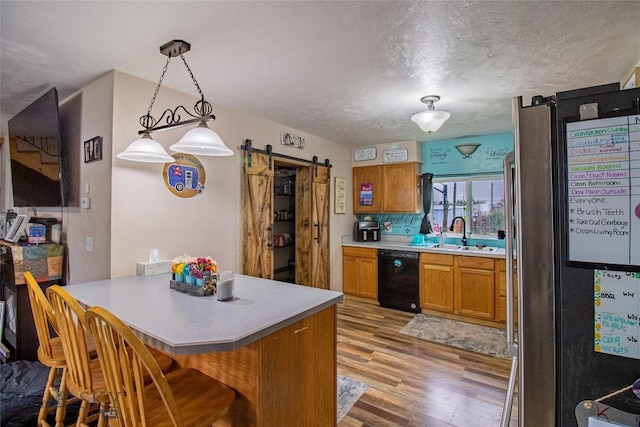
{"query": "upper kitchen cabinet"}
(367, 189)
(387, 188)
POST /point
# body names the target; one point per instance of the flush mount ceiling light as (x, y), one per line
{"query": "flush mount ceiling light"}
(430, 120)
(199, 141)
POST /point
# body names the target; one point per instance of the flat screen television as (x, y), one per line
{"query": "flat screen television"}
(35, 153)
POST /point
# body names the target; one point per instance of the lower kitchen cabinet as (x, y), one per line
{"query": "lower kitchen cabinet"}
(360, 272)
(501, 291)
(474, 287)
(436, 282)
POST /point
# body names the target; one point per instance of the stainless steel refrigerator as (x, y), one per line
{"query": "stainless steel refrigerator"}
(550, 305)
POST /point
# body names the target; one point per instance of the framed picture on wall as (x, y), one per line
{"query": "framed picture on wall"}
(340, 197)
(93, 149)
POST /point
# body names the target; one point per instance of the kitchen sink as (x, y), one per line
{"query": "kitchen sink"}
(449, 246)
(478, 248)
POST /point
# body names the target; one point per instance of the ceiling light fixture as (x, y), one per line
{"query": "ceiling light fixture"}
(467, 149)
(430, 120)
(199, 141)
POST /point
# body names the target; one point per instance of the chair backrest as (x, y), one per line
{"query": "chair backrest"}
(125, 362)
(72, 330)
(43, 317)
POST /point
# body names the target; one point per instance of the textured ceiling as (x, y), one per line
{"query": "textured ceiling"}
(353, 72)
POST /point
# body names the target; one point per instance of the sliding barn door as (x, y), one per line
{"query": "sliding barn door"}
(257, 215)
(303, 226)
(312, 226)
(320, 183)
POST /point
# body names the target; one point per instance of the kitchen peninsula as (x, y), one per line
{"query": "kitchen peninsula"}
(274, 343)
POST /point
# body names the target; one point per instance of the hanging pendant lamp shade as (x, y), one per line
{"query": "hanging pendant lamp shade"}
(201, 141)
(146, 150)
(430, 120)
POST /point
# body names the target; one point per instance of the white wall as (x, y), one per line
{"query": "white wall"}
(83, 115)
(131, 209)
(95, 103)
(146, 215)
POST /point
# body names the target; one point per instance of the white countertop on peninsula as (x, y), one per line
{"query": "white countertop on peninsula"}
(179, 323)
(402, 243)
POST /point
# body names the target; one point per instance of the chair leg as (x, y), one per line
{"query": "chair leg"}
(46, 397)
(61, 409)
(82, 413)
(102, 420)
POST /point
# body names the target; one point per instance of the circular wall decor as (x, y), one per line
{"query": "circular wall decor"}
(184, 177)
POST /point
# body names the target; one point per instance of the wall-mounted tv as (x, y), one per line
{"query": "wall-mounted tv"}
(35, 152)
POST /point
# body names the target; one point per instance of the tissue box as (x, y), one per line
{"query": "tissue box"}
(153, 268)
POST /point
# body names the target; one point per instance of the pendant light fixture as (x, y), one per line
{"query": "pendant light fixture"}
(200, 141)
(430, 120)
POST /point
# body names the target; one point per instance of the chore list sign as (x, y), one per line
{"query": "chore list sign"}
(617, 313)
(603, 184)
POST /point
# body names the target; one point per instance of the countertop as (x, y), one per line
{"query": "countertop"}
(179, 323)
(403, 243)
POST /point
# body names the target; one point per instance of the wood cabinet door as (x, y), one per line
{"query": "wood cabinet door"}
(501, 292)
(474, 292)
(367, 189)
(400, 187)
(360, 272)
(320, 227)
(436, 287)
(350, 275)
(368, 277)
(257, 215)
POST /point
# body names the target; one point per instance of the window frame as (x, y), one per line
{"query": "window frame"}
(468, 212)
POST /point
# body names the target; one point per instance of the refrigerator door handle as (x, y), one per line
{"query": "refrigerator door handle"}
(509, 164)
(509, 200)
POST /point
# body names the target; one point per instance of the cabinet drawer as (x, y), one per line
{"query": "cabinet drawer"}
(440, 259)
(501, 265)
(475, 262)
(359, 252)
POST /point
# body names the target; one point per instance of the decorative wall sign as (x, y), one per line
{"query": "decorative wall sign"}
(366, 153)
(93, 149)
(291, 140)
(395, 155)
(366, 194)
(340, 196)
(448, 157)
(185, 177)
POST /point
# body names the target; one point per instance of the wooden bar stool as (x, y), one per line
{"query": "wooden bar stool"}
(84, 378)
(184, 397)
(50, 352)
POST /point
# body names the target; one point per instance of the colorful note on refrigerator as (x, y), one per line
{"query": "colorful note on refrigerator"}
(617, 313)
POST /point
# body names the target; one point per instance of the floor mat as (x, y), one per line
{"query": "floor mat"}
(481, 339)
(349, 391)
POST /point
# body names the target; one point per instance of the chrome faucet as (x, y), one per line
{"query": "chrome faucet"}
(464, 229)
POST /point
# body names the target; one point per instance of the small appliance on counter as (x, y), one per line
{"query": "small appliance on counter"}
(366, 231)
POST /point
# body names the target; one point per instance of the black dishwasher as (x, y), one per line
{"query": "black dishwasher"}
(399, 280)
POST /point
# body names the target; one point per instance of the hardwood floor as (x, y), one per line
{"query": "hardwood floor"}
(414, 382)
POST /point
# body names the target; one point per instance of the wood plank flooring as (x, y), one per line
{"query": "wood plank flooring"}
(414, 382)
